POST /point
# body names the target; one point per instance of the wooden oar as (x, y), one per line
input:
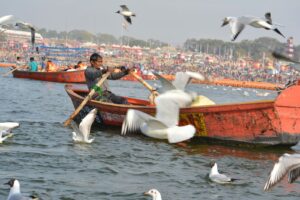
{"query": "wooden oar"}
(147, 85)
(11, 71)
(154, 93)
(87, 98)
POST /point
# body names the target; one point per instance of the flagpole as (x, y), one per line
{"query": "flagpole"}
(124, 27)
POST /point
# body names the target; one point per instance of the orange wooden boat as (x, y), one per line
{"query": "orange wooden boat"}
(61, 76)
(6, 65)
(269, 122)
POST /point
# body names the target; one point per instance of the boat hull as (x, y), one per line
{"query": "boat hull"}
(61, 77)
(262, 122)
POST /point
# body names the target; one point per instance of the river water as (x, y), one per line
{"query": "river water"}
(42, 155)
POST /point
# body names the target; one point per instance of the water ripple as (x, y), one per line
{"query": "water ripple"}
(42, 155)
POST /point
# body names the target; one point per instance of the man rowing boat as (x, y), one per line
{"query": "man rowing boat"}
(94, 73)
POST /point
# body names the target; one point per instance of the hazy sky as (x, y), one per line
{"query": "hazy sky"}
(171, 21)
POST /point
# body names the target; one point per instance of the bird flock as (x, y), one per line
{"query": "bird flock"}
(172, 97)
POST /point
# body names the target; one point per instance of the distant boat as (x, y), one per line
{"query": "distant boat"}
(267, 122)
(6, 65)
(223, 82)
(61, 76)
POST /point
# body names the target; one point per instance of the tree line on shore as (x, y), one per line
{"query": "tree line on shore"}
(252, 49)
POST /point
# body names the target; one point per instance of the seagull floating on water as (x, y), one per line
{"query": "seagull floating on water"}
(154, 193)
(126, 13)
(287, 164)
(15, 192)
(237, 24)
(296, 147)
(165, 123)
(82, 133)
(25, 25)
(215, 176)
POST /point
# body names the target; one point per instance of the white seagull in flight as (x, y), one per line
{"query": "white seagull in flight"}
(154, 193)
(287, 164)
(82, 133)
(237, 24)
(165, 123)
(126, 13)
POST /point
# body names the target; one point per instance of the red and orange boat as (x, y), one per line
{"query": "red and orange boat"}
(61, 76)
(267, 122)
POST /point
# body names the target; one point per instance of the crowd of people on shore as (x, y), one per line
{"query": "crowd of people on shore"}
(149, 61)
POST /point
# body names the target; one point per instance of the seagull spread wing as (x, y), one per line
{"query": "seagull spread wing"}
(1, 138)
(25, 25)
(168, 105)
(280, 56)
(180, 82)
(180, 133)
(154, 128)
(77, 134)
(236, 28)
(164, 124)
(286, 164)
(6, 132)
(124, 7)
(133, 121)
(183, 78)
(293, 175)
(8, 125)
(6, 18)
(264, 24)
(128, 19)
(86, 123)
(166, 85)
